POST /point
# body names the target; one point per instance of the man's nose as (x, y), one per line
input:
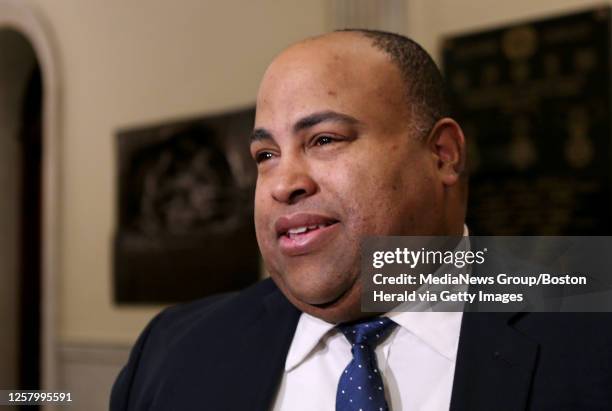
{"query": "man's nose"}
(293, 182)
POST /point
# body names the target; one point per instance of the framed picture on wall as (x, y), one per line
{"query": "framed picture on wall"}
(185, 209)
(534, 100)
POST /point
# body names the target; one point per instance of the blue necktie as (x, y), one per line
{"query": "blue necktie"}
(361, 387)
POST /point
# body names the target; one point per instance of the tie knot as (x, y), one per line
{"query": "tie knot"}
(369, 332)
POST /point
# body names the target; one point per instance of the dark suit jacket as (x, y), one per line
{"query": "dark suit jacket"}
(228, 353)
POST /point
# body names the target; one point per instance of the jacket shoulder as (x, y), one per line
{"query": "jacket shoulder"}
(174, 325)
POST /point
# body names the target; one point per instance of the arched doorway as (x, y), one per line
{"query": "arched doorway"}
(20, 211)
(29, 200)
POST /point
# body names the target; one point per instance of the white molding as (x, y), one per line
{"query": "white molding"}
(16, 15)
(89, 370)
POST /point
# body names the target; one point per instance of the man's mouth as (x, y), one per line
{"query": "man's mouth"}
(296, 232)
(302, 233)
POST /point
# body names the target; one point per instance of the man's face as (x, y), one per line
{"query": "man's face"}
(337, 161)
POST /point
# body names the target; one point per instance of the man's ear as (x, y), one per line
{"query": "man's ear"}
(447, 144)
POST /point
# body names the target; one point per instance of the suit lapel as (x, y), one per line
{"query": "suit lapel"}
(495, 364)
(268, 340)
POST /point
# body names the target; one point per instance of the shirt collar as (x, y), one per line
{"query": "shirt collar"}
(439, 330)
(309, 332)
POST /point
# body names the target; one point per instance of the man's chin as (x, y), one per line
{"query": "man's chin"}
(331, 302)
(316, 298)
(344, 306)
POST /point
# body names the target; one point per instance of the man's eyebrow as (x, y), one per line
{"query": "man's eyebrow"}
(261, 134)
(311, 120)
(323, 116)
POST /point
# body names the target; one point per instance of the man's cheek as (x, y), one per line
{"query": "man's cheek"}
(260, 211)
(262, 235)
(346, 180)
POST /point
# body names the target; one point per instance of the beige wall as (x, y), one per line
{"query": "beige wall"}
(132, 62)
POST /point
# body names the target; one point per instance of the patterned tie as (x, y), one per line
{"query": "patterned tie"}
(361, 387)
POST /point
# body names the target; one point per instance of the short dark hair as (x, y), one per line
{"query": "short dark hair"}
(425, 87)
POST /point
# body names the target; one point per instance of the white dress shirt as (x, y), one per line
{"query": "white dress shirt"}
(417, 362)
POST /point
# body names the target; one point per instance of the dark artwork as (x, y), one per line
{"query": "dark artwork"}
(185, 210)
(534, 102)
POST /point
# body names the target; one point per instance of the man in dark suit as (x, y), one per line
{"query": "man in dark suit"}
(352, 138)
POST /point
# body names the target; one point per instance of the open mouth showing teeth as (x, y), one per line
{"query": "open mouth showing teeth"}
(297, 231)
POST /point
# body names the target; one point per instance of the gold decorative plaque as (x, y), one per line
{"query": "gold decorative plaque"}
(538, 95)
